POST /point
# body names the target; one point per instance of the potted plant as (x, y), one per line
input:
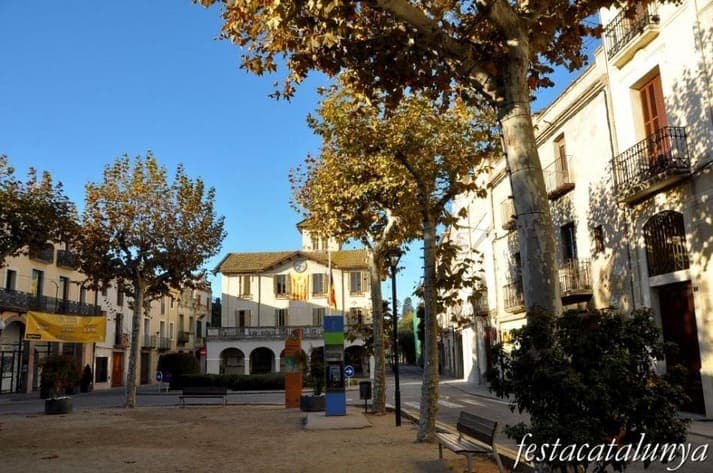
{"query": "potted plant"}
(315, 402)
(59, 376)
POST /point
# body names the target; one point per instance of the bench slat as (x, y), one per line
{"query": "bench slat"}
(460, 446)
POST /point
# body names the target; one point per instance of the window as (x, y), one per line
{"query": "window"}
(281, 285)
(665, 238)
(101, 365)
(244, 282)
(118, 329)
(38, 279)
(319, 284)
(171, 303)
(170, 330)
(356, 317)
(569, 242)
(119, 295)
(243, 318)
(63, 288)
(315, 242)
(162, 329)
(598, 239)
(11, 280)
(83, 295)
(652, 105)
(163, 305)
(561, 154)
(280, 317)
(318, 316)
(357, 282)
(191, 327)
(104, 291)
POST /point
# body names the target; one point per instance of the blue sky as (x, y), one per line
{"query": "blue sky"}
(84, 82)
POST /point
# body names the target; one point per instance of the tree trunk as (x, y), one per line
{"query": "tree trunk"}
(379, 400)
(534, 222)
(135, 343)
(429, 387)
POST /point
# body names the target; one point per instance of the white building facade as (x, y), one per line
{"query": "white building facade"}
(265, 295)
(627, 153)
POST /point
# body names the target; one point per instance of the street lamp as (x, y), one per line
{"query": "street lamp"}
(392, 257)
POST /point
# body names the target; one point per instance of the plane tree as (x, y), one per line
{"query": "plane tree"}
(148, 235)
(32, 213)
(388, 175)
(500, 50)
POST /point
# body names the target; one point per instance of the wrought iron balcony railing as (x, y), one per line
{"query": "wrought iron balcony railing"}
(622, 30)
(183, 338)
(149, 341)
(46, 254)
(23, 302)
(261, 332)
(575, 277)
(507, 214)
(655, 161)
(558, 180)
(164, 343)
(514, 297)
(67, 259)
(480, 305)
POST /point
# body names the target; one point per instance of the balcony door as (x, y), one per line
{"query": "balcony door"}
(678, 320)
(653, 113)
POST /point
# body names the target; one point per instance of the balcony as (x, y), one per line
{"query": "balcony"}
(624, 36)
(480, 305)
(264, 333)
(653, 164)
(575, 281)
(507, 214)
(22, 302)
(45, 255)
(149, 342)
(164, 343)
(183, 338)
(67, 259)
(557, 178)
(514, 297)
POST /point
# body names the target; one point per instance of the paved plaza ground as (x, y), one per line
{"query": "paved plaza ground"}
(199, 439)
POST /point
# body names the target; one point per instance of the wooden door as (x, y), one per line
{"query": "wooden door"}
(145, 373)
(678, 319)
(654, 115)
(117, 369)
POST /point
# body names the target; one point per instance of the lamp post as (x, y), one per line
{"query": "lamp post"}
(392, 260)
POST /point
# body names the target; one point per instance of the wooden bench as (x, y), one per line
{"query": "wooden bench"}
(480, 441)
(203, 392)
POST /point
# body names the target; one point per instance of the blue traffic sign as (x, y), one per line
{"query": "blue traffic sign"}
(349, 371)
(159, 376)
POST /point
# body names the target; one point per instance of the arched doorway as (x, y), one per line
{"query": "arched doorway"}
(232, 361)
(261, 361)
(355, 356)
(666, 252)
(12, 358)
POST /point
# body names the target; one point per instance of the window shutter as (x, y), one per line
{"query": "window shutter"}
(364, 281)
(274, 284)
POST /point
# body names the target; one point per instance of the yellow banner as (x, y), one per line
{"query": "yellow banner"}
(65, 328)
(299, 285)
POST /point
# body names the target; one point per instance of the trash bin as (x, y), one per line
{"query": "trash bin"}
(364, 390)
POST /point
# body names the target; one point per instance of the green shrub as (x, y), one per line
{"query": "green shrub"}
(175, 365)
(589, 378)
(59, 376)
(235, 382)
